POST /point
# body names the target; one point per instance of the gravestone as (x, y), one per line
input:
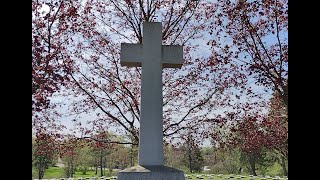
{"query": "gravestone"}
(152, 56)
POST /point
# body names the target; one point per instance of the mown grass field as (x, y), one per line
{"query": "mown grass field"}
(56, 172)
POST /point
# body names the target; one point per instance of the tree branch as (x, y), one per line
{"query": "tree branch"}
(101, 108)
(201, 103)
(106, 141)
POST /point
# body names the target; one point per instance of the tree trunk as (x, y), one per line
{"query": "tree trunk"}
(252, 161)
(131, 156)
(253, 169)
(283, 165)
(190, 160)
(105, 164)
(96, 167)
(39, 174)
(40, 170)
(72, 169)
(239, 170)
(101, 170)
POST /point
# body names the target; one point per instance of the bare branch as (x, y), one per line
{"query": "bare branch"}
(106, 141)
(201, 103)
(101, 108)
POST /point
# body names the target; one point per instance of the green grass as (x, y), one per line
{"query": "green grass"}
(56, 172)
(274, 170)
(53, 172)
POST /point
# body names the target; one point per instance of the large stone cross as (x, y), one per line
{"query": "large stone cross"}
(152, 56)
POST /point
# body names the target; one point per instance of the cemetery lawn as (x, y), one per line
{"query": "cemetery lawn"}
(56, 172)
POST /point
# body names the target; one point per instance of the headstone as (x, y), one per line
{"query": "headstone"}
(152, 56)
(199, 176)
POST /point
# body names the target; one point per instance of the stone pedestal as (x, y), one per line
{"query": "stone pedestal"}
(150, 173)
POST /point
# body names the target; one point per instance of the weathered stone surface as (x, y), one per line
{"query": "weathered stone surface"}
(150, 173)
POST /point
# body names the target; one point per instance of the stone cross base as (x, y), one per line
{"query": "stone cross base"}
(150, 173)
